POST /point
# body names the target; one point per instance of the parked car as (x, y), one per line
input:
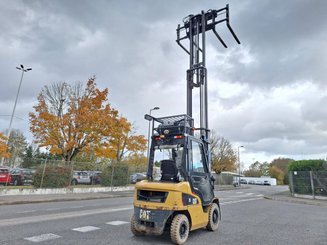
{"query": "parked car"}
(266, 182)
(5, 177)
(137, 177)
(81, 177)
(251, 182)
(259, 182)
(22, 176)
(243, 181)
(95, 177)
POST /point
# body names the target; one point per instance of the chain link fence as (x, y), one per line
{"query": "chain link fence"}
(46, 173)
(308, 183)
(225, 179)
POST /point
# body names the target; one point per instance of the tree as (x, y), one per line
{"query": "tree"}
(69, 120)
(124, 142)
(33, 157)
(16, 146)
(3, 147)
(277, 173)
(282, 164)
(136, 160)
(255, 170)
(222, 154)
(264, 169)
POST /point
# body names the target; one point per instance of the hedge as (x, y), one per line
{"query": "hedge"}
(301, 181)
(307, 165)
(54, 177)
(118, 173)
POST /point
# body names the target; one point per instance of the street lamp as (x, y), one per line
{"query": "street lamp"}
(239, 164)
(21, 68)
(153, 109)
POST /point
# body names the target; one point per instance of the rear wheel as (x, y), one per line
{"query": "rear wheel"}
(15, 182)
(133, 227)
(74, 182)
(214, 217)
(179, 229)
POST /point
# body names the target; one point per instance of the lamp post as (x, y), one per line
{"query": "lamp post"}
(21, 68)
(153, 109)
(239, 164)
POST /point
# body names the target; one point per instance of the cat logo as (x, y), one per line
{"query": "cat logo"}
(145, 214)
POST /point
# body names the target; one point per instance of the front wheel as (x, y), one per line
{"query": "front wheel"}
(133, 227)
(179, 229)
(214, 217)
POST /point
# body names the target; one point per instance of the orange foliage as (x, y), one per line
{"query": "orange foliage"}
(3, 147)
(88, 122)
(122, 142)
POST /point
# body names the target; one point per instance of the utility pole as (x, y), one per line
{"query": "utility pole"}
(21, 68)
(239, 164)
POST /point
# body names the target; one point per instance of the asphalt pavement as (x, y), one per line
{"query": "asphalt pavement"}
(250, 215)
(281, 195)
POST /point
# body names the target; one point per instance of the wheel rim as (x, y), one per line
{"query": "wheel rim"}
(215, 216)
(183, 230)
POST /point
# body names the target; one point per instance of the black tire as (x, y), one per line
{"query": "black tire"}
(179, 229)
(74, 182)
(133, 227)
(15, 182)
(214, 217)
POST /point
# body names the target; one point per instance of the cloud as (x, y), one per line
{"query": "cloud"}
(267, 93)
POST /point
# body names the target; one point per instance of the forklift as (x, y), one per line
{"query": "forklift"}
(178, 194)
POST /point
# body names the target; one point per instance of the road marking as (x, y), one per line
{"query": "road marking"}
(244, 200)
(76, 207)
(260, 195)
(248, 194)
(117, 222)
(86, 229)
(239, 192)
(52, 209)
(57, 216)
(25, 212)
(42, 238)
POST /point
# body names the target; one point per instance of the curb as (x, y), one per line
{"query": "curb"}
(283, 198)
(68, 190)
(63, 199)
(230, 188)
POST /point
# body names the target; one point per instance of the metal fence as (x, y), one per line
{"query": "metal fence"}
(46, 173)
(224, 179)
(308, 183)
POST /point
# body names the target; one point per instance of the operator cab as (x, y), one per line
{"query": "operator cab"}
(176, 155)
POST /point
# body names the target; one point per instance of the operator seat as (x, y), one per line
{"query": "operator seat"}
(169, 171)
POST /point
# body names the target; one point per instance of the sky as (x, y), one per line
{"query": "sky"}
(267, 94)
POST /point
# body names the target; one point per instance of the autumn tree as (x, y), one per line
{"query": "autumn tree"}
(282, 163)
(277, 173)
(123, 142)
(136, 160)
(278, 165)
(3, 147)
(223, 156)
(70, 119)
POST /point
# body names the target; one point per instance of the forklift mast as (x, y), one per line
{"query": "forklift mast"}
(194, 29)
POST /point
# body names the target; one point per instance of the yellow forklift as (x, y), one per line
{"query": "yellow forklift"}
(178, 194)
